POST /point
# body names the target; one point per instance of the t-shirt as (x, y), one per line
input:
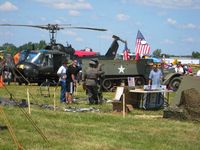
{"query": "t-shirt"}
(198, 73)
(62, 72)
(179, 70)
(155, 76)
(190, 70)
(72, 70)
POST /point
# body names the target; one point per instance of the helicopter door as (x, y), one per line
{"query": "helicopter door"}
(47, 64)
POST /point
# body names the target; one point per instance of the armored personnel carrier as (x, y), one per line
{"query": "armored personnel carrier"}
(118, 71)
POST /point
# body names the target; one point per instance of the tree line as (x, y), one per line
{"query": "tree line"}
(158, 53)
(12, 49)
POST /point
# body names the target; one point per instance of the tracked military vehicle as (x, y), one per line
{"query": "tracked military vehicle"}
(118, 71)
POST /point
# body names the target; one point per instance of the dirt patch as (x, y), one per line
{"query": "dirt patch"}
(148, 116)
(188, 108)
(190, 101)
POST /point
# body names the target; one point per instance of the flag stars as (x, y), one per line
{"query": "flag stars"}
(121, 69)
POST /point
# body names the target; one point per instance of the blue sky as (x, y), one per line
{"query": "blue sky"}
(170, 25)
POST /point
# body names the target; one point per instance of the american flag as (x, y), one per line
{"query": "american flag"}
(126, 53)
(141, 46)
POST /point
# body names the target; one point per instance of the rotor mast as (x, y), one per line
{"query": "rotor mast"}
(52, 33)
(53, 28)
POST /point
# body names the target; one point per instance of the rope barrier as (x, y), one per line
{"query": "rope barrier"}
(10, 129)
(29, 118)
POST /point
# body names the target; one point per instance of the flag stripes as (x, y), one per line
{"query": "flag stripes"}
(141, 46)
(126, 55)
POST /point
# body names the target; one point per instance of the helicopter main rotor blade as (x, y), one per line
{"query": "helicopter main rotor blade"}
(53, 26)
(88, 28)
(20, 25)
(47, 27)
(65, 25)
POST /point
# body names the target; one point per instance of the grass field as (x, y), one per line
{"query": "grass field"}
(103, 130)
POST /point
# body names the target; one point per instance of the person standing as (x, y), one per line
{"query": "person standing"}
(90, 79)
(198, 73)
(71, 83)
(155, 76)
(179, 69)
(189, 69)
(62, 80)
(16, 57)
(7, 75)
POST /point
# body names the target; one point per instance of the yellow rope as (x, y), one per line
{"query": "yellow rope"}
(11, 131)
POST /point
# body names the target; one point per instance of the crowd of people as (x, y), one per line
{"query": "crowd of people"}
(183, 69)
(70, 75)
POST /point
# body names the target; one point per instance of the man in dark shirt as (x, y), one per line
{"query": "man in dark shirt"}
(72, 73)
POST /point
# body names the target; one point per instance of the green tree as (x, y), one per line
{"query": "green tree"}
(12, 49)
(9, 48)
(157, 53)
(165, 55)
(33, 46)
(195, 54)
(42, 44)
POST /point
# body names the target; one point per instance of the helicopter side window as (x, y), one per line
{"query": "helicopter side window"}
(47, 60)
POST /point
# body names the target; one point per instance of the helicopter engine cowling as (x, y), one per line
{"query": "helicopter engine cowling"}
(27, 70)
(68, 49)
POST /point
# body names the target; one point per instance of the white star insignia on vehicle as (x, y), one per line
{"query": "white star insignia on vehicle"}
(121, 69)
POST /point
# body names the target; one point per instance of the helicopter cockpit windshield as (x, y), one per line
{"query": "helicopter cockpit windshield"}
(38, 58)
(26, 55)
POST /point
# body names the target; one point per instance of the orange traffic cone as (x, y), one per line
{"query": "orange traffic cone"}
(1, 82)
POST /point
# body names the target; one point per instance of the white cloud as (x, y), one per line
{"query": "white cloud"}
(70, 33)
(57, 21)
(43, 18)
(8, 6)
(79, 39)
(190, 26)
(122, 17)
(167, 41)
(194, 4)
(189, 40)
(74, 13)
(171, 21)
(162, 13)
(68, 4)
(105, 37)
(138, 23)
(6, 34)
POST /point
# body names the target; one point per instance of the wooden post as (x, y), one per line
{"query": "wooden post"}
(10, 129)
(124, 106)
(75, 90)
(28, 98)
(54, 100)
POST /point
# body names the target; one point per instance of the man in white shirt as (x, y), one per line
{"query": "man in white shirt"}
(179, 69)
(198, 73)
(62, 79)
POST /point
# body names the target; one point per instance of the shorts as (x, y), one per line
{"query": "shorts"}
(70, 87)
